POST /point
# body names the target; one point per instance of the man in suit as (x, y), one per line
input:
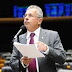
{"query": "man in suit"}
(48, 42)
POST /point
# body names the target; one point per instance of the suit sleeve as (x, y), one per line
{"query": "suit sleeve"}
(15, 60)
(56, 50)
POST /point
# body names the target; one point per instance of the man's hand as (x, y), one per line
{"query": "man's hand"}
(42, 46)
(26, 60)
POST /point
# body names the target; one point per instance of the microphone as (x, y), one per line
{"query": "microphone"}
(22, 30)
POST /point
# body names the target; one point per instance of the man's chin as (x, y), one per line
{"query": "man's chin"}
(26, 25)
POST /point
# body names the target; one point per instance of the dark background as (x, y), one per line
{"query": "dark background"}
(6, 6)
(9, 29)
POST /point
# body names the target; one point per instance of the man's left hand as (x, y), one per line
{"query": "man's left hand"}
(42, 46)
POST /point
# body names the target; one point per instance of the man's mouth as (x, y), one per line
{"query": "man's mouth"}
(26, 22)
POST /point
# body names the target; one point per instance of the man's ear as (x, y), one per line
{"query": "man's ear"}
(40, 20)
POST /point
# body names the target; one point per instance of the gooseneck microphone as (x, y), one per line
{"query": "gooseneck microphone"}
(22, 30)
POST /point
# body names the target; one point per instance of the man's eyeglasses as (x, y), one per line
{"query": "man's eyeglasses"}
(30, 15)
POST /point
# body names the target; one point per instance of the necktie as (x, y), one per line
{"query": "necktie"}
(31, 38)
(32, 64)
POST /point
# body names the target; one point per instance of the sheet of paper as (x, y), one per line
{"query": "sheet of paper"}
(28, 50)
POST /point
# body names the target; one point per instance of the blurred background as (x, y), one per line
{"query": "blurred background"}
(57, 16)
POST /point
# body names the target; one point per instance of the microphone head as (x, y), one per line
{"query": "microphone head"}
(23, 28)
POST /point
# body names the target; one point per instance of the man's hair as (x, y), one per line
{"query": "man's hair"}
(39, 10)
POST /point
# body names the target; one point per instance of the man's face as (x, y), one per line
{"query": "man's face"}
(31, 21)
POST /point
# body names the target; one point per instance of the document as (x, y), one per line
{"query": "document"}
(28, 50)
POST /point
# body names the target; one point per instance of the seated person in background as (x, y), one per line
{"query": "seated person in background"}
(48, 41)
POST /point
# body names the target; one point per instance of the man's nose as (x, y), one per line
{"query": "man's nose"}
(27, 17)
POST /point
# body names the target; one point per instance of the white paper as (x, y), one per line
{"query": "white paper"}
(28, 50)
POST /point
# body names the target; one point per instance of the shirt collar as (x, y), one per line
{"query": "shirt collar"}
(37, 31)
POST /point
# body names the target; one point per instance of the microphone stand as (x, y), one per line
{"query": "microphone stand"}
(19, 54)
(18, 38)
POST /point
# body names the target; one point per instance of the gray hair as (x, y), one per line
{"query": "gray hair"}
(39, 10)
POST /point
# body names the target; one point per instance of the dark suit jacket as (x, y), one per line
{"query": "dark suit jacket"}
(56, 52)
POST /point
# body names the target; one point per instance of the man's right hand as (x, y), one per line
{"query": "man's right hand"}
(26, 60)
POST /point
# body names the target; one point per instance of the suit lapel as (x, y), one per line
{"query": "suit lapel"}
(42, 35)
(23, 39)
